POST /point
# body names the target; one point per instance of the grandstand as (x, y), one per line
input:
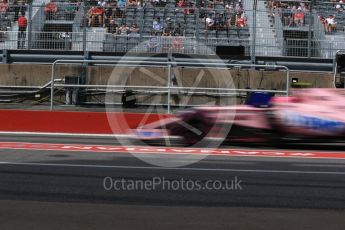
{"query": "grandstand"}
(276, 28)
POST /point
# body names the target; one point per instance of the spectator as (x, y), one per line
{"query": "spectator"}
(124, 29)
(18, 8)
(240, 21)
(132, 3)
(231, 22)
(96, 13)
(166, 41)
(190, 9)
(168, 23)
(113, 28)
(134, 30)
(50, 10)
(109, 15)
(166, 32)
(22, 24)
(299, 18)
(70, 11)
(270, 5)
(288, 16)
(4, 8)
(182, 3)
(229, 7)
(305, 8)
(121, 4)
(331, 24)
(176, 31)
(338, 8)
(219, 22)
(209, 22)
(157, 25)
(239, 7)
(202, 13)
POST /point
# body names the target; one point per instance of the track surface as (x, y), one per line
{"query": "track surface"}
(58, 180)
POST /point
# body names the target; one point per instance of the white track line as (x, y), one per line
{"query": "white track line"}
(174, 169)
(130, 136)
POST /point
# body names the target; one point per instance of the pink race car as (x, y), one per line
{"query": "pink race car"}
(307, 115)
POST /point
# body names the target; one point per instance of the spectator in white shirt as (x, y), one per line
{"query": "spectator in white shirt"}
(331, 24)
(209, 22)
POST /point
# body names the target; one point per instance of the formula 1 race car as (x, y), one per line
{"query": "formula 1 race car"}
(307, 115)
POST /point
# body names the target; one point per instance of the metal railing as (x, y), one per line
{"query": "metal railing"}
(169, 87)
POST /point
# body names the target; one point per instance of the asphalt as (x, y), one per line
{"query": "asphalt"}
(72, 190)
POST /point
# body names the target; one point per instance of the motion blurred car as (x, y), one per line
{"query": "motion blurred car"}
(307, 115)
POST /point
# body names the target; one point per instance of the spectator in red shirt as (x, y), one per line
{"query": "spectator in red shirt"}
(96, 13)
(22, 24)
(299, 18)
(240, 21)
(50, 10)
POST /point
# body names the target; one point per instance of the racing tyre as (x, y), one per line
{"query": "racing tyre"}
(192, 132)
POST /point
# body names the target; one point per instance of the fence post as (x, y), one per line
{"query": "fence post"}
(84, 74)
(29, 26)
(52, 80)
(169, 87)
(85, 23)
(287, 81)
(253, 59)
(310, 28)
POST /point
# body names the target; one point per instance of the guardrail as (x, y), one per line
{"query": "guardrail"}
(169, 65)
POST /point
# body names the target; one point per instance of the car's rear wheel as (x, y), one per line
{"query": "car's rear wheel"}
(192, 131)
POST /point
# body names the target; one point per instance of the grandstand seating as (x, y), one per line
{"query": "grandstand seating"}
(64, 29)
(48, 27)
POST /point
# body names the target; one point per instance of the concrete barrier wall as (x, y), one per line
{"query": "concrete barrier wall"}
(36, 75)
(32, 75)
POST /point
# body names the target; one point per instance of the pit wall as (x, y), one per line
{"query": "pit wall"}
(38, 75)
(73, 122)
